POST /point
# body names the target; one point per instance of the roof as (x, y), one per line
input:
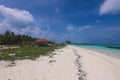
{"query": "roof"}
(42, 40)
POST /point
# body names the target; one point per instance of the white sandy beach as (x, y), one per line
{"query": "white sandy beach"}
(69, 63)
(99, 66)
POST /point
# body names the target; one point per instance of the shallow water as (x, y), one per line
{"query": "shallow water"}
(110, 50)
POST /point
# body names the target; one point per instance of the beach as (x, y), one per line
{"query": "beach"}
(68, 63)
(98, 66)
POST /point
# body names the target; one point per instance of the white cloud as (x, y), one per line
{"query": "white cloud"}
(97, 21)
(57, 10)
(75, 28)
(35, 32)
(70, 27)
(15, 17)
(20, 22)
(113, 29)
(110, 7)
(82, 28)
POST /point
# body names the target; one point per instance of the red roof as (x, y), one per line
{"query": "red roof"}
(42, 40)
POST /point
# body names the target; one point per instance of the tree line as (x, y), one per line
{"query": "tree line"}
(10, 38)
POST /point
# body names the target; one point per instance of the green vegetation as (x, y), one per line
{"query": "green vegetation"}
(9, 38)
(24, 47)
(26, 52)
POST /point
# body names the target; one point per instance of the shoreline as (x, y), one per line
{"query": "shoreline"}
(99, 66)
(68, 63)
(102, 55)
(104, 50)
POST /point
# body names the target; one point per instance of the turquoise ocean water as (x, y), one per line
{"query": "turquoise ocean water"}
(112, 50)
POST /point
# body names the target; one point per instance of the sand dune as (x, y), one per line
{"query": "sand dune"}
(69, 63)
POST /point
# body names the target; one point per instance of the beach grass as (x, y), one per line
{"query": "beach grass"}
(26, 52)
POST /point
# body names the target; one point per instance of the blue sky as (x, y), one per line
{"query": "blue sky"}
(83, 21)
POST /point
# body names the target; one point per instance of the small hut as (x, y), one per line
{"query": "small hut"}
(43, 42)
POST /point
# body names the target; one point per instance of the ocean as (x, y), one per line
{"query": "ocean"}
(112, 50)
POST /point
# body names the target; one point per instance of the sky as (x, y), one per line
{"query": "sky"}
(81, 21)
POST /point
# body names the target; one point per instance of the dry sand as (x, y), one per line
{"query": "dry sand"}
(60, 67)
(69, 63)
(98, 66)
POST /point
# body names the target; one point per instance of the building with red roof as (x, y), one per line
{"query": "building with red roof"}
(43, 42)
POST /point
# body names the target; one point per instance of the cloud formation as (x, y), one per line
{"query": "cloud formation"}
(110, 7)
(18, 21)
(70, 27)
(22, 22)
(75, 28)
(57, 10)
(15, 17)
(82, 28)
